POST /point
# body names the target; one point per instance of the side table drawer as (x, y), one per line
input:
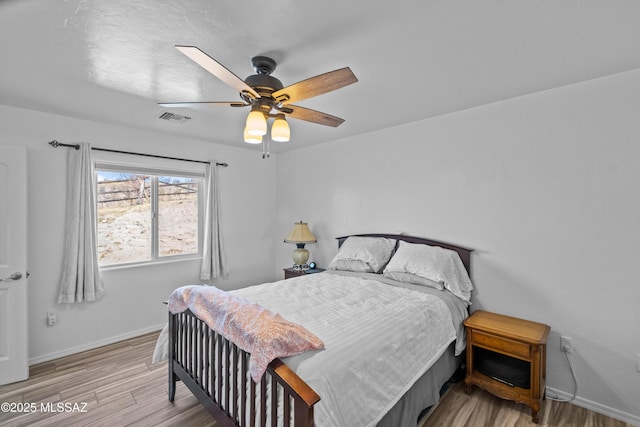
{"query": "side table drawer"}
(502, 345)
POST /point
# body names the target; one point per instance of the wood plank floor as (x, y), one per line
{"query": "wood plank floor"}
(117, 382)
(120, 387)
(481, 409)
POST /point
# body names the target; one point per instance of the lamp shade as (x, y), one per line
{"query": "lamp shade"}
(256, 123)
(280, 129)
(300, 234)
(252, 139)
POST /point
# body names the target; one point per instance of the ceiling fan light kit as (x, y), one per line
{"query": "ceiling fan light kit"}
(252, 139)
(268, 97)
(280, 129)
(256, 122)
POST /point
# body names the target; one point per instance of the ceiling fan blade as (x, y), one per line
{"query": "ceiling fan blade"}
(217, 69)
(313, 116)
(315, 86)
(196, 104)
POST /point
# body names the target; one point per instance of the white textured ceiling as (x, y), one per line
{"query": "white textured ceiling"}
(113, 60)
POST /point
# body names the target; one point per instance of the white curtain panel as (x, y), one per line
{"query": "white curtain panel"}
(214, 259)
(81, 278)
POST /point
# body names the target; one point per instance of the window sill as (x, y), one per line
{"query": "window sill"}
(150, 263)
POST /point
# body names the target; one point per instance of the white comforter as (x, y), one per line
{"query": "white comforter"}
(379, 339)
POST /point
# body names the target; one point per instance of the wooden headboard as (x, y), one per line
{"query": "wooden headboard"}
(464, 253)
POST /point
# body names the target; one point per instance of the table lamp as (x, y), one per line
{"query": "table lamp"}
(300, 235)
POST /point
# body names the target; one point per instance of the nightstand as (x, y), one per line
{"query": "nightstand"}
(507, 357)
(290, 272)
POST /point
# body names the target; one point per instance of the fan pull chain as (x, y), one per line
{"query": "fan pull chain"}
(265, 146)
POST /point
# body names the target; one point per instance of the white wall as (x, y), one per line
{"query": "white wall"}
(133, 303)
(545, 188)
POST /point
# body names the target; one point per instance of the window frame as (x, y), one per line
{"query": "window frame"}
(154, 172)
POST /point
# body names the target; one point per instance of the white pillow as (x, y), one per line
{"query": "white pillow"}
(363, 254)
(412, 278)
(433, 263)
(350, 265)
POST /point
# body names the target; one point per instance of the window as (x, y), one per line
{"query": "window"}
(147, 215)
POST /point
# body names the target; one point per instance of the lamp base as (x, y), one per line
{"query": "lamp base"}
(300, 257)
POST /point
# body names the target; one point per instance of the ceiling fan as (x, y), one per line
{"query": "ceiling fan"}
(268, 97)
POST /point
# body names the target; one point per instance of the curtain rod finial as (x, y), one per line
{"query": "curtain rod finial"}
(56, 144)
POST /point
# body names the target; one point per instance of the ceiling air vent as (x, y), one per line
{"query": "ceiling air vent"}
(175, 118)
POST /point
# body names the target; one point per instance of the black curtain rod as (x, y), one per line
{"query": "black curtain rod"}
(56, 144)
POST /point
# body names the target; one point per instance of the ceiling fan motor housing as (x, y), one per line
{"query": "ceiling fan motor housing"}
(263, 83)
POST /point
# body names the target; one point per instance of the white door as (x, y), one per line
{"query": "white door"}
(14, 364)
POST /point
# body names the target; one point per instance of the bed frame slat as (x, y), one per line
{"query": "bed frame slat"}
(263, 401)
(274, 402)
(234, 372)
(227, 374)
(286, 409)
(243, 389)
(219, 367)
(252, 416)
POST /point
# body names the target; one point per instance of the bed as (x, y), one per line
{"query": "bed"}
(374, 282)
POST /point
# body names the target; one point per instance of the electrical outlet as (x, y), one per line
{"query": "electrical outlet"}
(566, 344)
(52, 318)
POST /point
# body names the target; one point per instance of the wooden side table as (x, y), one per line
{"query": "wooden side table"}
(494, 336)
(290, 272)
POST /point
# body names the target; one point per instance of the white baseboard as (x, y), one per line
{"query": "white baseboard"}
(597, 407)
(92, 345)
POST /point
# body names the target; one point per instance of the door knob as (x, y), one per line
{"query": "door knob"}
(14, 276)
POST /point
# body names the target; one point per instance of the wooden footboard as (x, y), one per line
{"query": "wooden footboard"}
(217, 373)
